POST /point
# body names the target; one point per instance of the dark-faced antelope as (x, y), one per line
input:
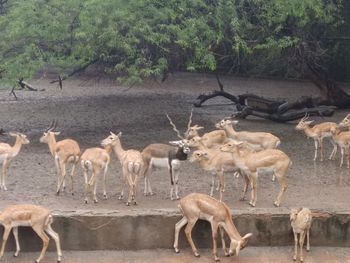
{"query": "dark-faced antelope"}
(160, 155)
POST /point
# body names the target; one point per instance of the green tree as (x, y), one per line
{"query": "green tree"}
(143, 38)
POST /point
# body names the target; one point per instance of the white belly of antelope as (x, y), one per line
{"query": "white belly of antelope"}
(159, 162)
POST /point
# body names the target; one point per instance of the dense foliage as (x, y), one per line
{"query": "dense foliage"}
(143, 38)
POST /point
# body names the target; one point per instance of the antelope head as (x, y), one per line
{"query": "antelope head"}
(303, 123)
(112, 139)
(225, 123)
(49, 133)
(198, 156)
(20, 136)
(345, 122)
(237, 246)
(182, 144)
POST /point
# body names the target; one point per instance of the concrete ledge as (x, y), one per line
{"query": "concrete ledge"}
(150, 229)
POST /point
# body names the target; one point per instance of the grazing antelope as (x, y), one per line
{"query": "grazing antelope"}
(343, 140)
(159, 155)
(64, 151)
(251, 163)
(132, 164)
(7, 153)
(37, 217)
(345, 122)
(301, 219)
(257, 140)
(95, 160)
(318, 132)
(200, 206)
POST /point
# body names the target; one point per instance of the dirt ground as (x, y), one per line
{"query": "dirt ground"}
(87, 109)
(248, 255)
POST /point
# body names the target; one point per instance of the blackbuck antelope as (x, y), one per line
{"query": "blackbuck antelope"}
(159, 155)
(132, 164)
(257, 140)
(95, 160)
(64, 152)
(250, 164)
(200, 206)
(37, 217)
(345, 122)
(301, 219)
(318, 132)
(8, 152)
(342, 139)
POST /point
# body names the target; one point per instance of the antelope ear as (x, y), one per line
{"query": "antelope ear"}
(14, 134)
(234, 122)
(309, 122)
(175, 143)
(199, 127)
(247, 236)
(119, 134)
(57, 133)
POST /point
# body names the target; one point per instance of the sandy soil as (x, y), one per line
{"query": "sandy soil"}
(248, 255)
(87, 109)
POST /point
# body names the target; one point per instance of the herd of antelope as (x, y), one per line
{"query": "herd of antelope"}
(247, 153)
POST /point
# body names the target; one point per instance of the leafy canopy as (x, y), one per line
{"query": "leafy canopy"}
(144, 38)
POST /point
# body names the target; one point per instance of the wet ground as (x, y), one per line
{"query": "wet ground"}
(87, 110)
(248, 255)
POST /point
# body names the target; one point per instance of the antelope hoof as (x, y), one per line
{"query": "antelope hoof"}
(307, 249)
(301, 260)
(105, 196)
(176, 250)
(95, 201)
(252, 204)
(127, 203)
(276, 204)
(216, 258)
(294, 258)
(135, 203)
(120, 197)
(15, 254)
(226, 254)
(86, 201)
(178, 197)
(72, 194)
(196, 254)
(37, 261)
(58, 192)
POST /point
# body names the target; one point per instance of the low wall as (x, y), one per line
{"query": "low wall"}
(149, 229)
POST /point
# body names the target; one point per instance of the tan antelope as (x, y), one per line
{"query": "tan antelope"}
(250, 164)
(342, 139)
(37, 217)
(301, 219)
(318, 132)
(160, 155)
(200, 206)
(95, 160)
(257, 140)
(64, 152)
(345, 122)
(132, 164)
(8, 152)
(209, 139)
